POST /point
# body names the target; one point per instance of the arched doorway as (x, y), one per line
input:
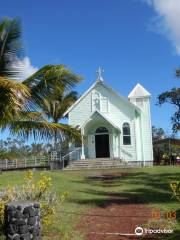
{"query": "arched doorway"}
(102, 142)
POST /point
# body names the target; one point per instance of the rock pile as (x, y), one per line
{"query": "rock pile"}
(22, 221)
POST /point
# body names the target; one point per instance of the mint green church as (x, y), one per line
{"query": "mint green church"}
(113, 126)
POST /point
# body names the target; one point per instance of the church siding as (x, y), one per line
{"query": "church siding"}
(146, 130)
(81, 111)
(118, 112)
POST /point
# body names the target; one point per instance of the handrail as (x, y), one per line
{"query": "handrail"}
(70, 153)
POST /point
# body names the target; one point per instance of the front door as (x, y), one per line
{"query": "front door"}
(102, 145)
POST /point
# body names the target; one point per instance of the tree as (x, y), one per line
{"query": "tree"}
(20, 102)
(13, 95)
(172, 97)
(44, 84)
(158, 133)
(54, 108)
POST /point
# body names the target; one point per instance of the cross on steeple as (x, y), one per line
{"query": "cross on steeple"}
(99, 73)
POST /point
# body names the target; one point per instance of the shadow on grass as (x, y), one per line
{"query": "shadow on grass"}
(138, 196)
(143, 188)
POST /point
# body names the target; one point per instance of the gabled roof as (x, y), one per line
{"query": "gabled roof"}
(103, 116)
(107, 87)
(139, 91)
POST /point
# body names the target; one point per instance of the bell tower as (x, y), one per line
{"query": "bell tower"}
(140, 97)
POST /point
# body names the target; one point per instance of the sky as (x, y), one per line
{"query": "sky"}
(135, 41)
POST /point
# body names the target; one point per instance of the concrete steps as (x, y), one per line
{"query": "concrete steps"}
(98, 163)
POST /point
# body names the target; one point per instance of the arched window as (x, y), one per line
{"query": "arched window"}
(126, 134)
(96, 101)
(101, 130)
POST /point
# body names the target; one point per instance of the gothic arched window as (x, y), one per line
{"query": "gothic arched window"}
(96, 101)
(126, 134)
(101, 130)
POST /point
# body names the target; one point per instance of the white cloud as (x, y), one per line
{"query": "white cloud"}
(24, 67)
(167, 20)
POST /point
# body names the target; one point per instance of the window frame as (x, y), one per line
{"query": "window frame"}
(126, 135)
(95, 95)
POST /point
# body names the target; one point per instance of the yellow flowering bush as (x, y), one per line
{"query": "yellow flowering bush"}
(175, 186)
(33, 190)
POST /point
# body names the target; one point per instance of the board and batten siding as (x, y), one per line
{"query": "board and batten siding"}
(146, 131)
(80, 113)
(118, 112)
(143, 126)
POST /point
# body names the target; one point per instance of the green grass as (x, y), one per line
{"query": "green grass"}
(149, 185)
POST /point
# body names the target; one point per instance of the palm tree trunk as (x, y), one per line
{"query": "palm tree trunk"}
(55, 140)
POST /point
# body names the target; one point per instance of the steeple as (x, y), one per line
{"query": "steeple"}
(99, 74)
(139, 91)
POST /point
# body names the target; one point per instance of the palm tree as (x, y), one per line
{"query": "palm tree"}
(13, 95)
(54, 108)
(20, 102)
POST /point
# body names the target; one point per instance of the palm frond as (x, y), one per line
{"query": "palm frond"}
(14, 96)
(10, 46)
(31, 115)
(55, 106)
(49, 79)
(41, 130)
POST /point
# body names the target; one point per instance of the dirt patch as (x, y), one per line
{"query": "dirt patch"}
(107, 179)
(117, 216)
(107, 176)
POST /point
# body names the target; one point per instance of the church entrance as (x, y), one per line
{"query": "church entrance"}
(102, 143)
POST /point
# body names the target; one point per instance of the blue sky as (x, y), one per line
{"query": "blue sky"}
(133, 40)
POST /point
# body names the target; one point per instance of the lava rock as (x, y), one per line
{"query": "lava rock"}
(22, 221)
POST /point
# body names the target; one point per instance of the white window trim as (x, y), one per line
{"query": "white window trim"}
(127, 145)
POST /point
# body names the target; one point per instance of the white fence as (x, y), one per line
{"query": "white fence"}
(24, 163)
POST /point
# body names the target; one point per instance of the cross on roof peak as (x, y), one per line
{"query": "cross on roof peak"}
(99, 73)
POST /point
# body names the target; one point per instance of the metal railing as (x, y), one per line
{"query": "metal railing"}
(74, 155)
(36, 161)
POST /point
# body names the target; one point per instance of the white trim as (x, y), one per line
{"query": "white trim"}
(107, 87)
(91, 101)
(121, 97)
(82, 148)
(79, 99)
(138, 92)
(119, 145)
(130, 125)
(102, 115)
(150, 127)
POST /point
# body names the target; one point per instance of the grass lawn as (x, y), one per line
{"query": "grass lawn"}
(151, 185)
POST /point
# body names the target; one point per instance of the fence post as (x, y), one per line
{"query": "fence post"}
(25, 162)
(6, 163)
(63, 162)
(35, 160)
(16, 163)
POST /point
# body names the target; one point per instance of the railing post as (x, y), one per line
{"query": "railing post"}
(63, 162)
(6, 163)
(82, 142)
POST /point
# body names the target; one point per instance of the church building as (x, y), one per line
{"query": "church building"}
(113, 126)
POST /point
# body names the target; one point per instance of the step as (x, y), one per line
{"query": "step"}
(99, 168)
(98, 163)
